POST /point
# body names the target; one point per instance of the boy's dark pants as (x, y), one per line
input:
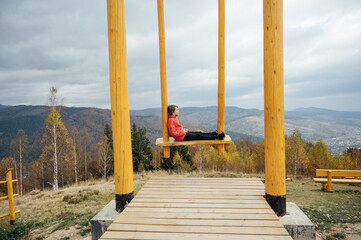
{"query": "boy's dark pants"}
(200, 136)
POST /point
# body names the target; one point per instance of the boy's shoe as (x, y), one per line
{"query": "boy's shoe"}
(221, 136)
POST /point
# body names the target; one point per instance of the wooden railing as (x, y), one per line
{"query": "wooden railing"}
(10, 196)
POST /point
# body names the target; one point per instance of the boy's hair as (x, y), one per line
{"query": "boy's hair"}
(171, 109)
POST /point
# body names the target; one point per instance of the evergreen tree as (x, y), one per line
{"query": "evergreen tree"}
(167, 163)
(140, 149)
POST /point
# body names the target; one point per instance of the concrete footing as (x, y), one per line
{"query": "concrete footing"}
(100, 222)
(298, 225)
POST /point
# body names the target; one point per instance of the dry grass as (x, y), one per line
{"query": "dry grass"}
(66, 214)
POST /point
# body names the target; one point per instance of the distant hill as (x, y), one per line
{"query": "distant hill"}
(339, 130)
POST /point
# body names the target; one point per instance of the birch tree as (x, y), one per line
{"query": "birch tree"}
(104, 156)
(296, 156)
(55, 144)
(23, 145)
(86, 142)
(74, 135)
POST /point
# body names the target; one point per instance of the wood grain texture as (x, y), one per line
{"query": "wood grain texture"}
(198, 208)
(172, 142)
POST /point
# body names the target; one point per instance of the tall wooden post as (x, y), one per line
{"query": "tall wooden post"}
(118, 76)
(9, 180)
(163, 77)
(274, 106)
(221, 71)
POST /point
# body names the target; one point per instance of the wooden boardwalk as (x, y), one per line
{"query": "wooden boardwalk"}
(175, 208)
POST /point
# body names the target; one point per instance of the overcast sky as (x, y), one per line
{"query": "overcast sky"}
(46, 43)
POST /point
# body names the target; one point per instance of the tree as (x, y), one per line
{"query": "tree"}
(167, 163)
(109, 134)
(296, 155)
(140, 149)
(355, 155)
(177, 161)
(319, 157)
(104, 156)
(13, 152)
(23, 146)
(74, 135)
(258, 157)
(55, 144)
(200, 159)
(6, 164)
(86, 142)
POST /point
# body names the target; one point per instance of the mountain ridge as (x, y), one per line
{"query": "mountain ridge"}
(339, 130)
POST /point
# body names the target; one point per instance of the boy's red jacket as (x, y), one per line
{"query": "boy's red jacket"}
(175, 129)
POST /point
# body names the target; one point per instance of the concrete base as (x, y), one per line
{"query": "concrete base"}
(101, 221)
(298, 225)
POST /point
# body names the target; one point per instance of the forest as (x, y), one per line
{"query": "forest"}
(68, 156)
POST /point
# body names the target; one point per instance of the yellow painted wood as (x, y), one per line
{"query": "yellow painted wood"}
(338, 173)
(338, 180)
(198, 229)
(187, 236)
(3, 198)
(221, 71)
(4, 215)
(329, 182)
(9, 179)
(123, 163)
(274, 98)
(163, 77)
(330, 173)
(172, 142)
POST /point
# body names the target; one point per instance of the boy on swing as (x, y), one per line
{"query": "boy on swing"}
(180, 133)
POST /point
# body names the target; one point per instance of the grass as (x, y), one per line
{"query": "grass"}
(51, 215)
(336, 214)
(66, 214)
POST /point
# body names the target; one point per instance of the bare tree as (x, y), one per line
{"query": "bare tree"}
(22, 148)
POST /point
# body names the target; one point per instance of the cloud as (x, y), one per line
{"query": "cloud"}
(64, 43)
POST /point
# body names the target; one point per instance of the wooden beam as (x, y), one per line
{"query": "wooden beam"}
(163, 76)
(118, 76)
(274, 106)
(221, 71)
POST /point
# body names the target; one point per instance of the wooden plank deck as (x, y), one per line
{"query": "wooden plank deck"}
(176, 208)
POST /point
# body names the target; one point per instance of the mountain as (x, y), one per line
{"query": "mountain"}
(4, 106)
(339, 130)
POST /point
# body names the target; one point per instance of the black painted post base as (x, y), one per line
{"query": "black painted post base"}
(277, 203)
(12, 222)
(122, 200)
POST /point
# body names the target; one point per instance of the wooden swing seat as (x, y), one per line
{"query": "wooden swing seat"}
(172, 142)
